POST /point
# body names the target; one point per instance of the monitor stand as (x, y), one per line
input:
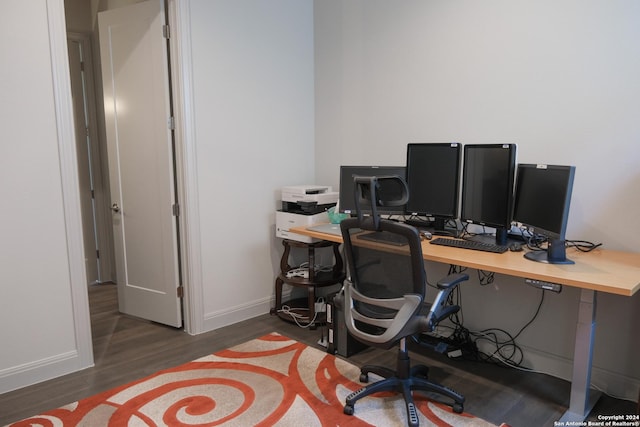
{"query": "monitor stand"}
(437, 227)
(440, 228)
(555, 254)
(499, 239)
(501, 236)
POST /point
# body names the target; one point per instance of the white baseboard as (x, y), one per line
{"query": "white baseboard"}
(611, 383)
(41, 370)
(218, 319)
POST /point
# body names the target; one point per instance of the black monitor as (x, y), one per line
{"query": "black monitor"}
(488, 174)
(542, 199)
(433, 178)
(389, 189)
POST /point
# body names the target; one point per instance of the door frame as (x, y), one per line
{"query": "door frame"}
(178, 12)
(69, 180)
(182, 85)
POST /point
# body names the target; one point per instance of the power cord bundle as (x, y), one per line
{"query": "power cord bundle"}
(535, 242)
(293, 312)
(485, 277)
(297, 317)
(507, 352)
(303, 270)
(463, 343)
(317, 267)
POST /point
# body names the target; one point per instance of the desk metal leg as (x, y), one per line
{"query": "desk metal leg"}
(582, 397)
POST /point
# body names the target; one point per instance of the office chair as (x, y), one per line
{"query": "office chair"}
(384, 297)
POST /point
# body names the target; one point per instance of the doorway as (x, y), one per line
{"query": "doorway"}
(94, 190)
(92, 162)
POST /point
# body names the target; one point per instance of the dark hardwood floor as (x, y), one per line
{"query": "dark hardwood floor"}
(126, 348)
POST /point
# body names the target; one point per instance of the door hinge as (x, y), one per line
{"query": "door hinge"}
(165, 31)
(98, 253)
(180, 292)
(172, 123)
(82, 66)
(176, 209)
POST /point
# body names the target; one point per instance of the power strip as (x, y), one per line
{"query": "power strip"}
(301, 272)
(547, 286)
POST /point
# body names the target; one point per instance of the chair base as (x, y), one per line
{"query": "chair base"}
(404, 380)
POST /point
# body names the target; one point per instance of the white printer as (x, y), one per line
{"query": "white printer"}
(303, 206)
(308, 198)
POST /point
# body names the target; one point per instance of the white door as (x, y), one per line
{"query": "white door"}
(141, 169)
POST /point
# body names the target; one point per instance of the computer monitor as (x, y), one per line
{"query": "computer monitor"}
(488, 173)
(389, 189)
(433, 178)
(542, 199)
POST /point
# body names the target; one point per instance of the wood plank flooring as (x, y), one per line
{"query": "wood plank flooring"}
(127, 348)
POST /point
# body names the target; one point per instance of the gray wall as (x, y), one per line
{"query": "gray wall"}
(40, 257)
(253, 95)
(557, 78)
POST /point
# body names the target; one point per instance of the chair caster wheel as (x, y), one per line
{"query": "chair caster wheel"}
(364, 378)
(348, 409)
(457, 408)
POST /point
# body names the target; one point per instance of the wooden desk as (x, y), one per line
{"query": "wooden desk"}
(600, 270)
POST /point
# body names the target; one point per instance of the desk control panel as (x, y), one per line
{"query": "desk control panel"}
(541, 284)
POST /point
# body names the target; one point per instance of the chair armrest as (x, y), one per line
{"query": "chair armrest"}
(437, 317)
(452, 280)
(439, 310)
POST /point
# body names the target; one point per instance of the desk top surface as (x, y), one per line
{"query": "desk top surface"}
(600, 270)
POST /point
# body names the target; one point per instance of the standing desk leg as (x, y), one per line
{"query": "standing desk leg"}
(582, 397)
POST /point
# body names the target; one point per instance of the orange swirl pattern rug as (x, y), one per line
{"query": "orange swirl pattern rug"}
(269, 381)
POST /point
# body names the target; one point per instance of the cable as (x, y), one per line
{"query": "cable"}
(485, 277)
(316, 267)
(295, 316)
(582, 245)
(466, 340)
(535, 242)
(510, 343)
(506, 352)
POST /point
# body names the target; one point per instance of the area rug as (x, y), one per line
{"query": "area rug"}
(269, 381)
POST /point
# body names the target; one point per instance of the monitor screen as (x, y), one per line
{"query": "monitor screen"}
(487, 186)
(389, 189)
(433, 178)
(542, 199)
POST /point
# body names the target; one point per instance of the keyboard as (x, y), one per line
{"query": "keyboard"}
(470, 244)
(384, 237)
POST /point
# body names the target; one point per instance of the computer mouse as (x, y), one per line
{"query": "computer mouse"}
(515, 247)
(426, 234)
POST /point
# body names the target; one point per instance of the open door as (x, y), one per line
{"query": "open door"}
(135, 73)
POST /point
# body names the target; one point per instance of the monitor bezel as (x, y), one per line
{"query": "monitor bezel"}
(559, 234)
(465, 217)
(455, 146)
